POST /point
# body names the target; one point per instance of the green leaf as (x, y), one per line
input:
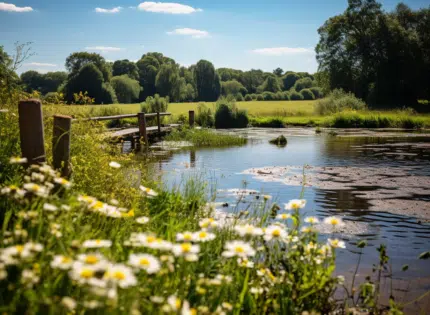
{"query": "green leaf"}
(425, 255)
(405, 267)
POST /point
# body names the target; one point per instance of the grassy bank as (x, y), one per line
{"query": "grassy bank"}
(205, 138)
(366, 119)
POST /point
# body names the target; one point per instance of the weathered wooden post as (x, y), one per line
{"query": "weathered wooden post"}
(61, 144)
(191, 118)
(142, 127)
(159, 123)
(31, 131)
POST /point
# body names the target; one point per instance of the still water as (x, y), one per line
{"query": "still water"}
(406, 233)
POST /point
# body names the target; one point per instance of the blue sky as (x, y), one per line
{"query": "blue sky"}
(241, 34)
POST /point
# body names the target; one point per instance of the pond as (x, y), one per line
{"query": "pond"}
(378, 182)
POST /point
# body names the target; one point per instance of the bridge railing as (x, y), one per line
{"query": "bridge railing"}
(32, 132)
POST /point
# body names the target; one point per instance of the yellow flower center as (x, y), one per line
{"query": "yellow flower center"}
(249, 229)
(87, 273)
(295, 205)
(98, 242)
(119, 275)
(178, 303)
(334, 221)
(239, 249)
(203, 234)
(276, 233)
(148, 190)
(19, 248)
(186, 247)
(91, 259)
(151, 239)
(188, 237)
(98, 205)
(65, 260)
(144, 262)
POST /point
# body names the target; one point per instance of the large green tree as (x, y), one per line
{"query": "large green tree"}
(207, 82)
(232, 87)
(77, 60)
(381, 57)
(271, 84)
(127, 90)
(168, 82)
(127, 67)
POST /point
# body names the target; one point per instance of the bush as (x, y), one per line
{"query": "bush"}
(318, 92)
(53, 98)
(228, 116)
(260, 97)
(126, 89)
(285, 96)
(155, 104)
(239, 97)
(279, 96)
(254, 96)
(295, 96)
(204, 116)
(337, 101)
(304, 83)
(307, 94)
(269, 96)
(248, 97)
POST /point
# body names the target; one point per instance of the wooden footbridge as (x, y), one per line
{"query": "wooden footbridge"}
(32, 132)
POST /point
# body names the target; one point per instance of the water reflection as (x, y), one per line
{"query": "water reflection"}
(405, 237)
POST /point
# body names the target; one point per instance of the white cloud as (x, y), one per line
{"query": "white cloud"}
(167, 7)
(13, 8)
(113, 10)
(189, 32)
(40, 64)
(281, 51)
(104, 49)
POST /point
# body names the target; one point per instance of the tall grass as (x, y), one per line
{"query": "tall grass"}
(205, 138)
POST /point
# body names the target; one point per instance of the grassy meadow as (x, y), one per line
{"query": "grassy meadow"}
(273, 114)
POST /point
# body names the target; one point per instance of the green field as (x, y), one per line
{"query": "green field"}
(254, 108)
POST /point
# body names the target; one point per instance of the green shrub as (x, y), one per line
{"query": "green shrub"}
(204, 116)
(260, 97)
(279, 96)
(285, 96)
(248, 97)
(295, 96)
(338, 101)
(127, 90)
(53, 98)
(239, 97)
(304, 83)
(254, 96)
(155, 104)
(318, 92)
(307, 94)
(269, 96)
(228, 116)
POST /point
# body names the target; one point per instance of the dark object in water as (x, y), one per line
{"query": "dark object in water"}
(280, 141)
(225, 205)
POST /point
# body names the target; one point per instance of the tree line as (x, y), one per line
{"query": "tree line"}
(125, 81)
(381, 57)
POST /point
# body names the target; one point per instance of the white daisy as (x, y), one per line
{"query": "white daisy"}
(203, 236)
(142, 220)
(185, 249)
(312, 220)
(283, 216)
(239, 249)
(248, 229)
(208, 223)
(275, 232)
(145, 262)
(49, 207)
(18, 160)
(334, 221)
(336, 243)
(97, 243)
(82, 273)
(62, 262)
(185, 237)
(114, 165)
(295, 204)
(121, 275)
(69, 303)
(63, 182)
(148, 191)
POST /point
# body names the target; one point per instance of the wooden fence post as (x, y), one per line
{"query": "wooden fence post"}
(61, 144)
(191, 118)
(31, 131)
(142, 127)
(159, 123)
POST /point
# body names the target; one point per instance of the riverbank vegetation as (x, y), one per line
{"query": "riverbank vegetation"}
(205, 138)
